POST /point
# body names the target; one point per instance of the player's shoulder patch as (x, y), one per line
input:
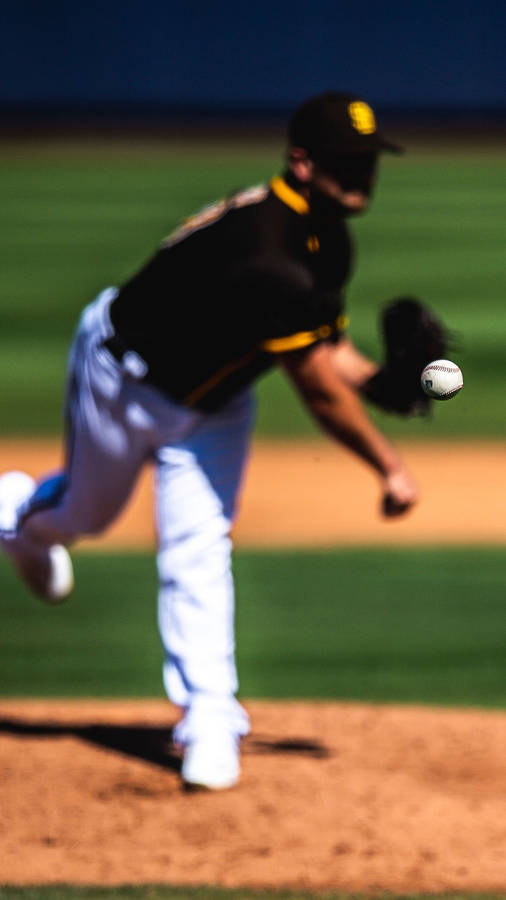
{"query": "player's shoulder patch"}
(214, 211)
(248, 196)
(208, 214)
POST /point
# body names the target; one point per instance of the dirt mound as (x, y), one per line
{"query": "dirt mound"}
(333, 796)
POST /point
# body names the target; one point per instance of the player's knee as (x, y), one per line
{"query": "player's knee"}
(95, 521)
(208, 551)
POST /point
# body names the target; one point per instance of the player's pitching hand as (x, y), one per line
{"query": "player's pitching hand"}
(400, 493)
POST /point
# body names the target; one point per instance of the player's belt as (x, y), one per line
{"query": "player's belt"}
(130, 361)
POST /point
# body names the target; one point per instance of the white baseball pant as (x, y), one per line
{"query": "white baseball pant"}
(116, 424)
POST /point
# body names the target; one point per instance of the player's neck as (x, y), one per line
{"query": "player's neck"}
(296, 185)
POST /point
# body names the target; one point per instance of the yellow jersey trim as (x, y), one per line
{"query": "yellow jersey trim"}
(287, 195)
(217, 378)
(271, 345)
(296, 341)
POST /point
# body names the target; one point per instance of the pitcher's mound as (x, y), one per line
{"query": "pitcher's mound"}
(333, 796)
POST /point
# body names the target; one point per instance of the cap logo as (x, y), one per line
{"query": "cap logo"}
(362, 117)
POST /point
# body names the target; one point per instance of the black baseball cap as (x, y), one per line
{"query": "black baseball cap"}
(337, 124)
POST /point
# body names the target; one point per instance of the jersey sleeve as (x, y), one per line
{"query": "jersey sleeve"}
(291, 313)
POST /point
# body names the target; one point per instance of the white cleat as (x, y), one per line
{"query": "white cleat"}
(211, 763)
(47, 571)
(15, 489)
(60, 582)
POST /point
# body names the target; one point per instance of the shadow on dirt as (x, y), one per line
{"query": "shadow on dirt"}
(151, 743)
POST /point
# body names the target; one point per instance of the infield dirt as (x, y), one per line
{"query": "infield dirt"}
(317, 494)
(333, 796)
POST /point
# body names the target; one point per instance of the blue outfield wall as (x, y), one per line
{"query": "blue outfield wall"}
(269, 55)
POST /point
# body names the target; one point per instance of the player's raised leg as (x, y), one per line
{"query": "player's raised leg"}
(110, 436)
(197, 486)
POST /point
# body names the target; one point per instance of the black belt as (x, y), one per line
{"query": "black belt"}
(129, 359)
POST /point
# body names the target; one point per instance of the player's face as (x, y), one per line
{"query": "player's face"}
(348, 180)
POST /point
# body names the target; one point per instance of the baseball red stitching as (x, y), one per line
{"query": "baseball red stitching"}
(453, 391)
(441, 369)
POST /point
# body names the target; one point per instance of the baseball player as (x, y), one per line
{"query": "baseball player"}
(161, 371)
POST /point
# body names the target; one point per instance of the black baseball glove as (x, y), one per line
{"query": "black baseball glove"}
(413, 336)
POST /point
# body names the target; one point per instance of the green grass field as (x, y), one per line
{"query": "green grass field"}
(424, 626)
(169, 892)
(79, 216)
(208, 893)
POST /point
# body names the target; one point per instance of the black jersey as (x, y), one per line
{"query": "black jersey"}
(245, 279)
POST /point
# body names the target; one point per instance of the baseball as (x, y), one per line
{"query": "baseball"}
(441, 379)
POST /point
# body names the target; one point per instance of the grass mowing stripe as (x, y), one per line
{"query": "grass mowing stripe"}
(412, 625)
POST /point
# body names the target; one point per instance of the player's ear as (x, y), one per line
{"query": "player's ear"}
(300, 164)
